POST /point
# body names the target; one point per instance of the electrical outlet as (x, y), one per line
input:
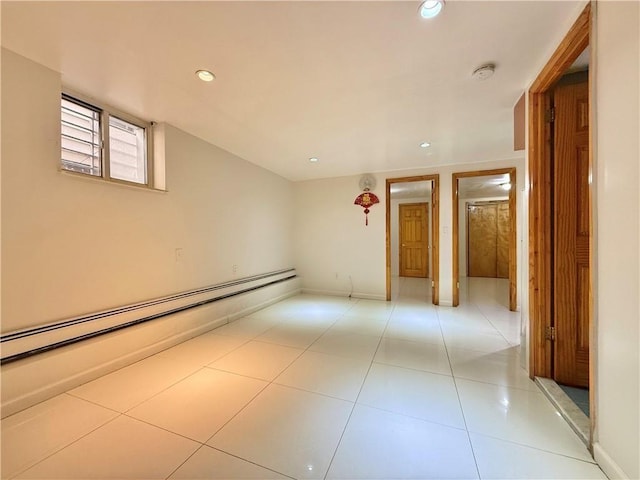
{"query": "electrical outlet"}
(179, 255)
(234, 268)
(336, 275)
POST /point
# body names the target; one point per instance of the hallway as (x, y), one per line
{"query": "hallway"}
(315, 387)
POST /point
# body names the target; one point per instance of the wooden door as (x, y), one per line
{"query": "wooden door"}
(502, 247)
(571, 223)
(488, 231)
(482, 240)
(414, 244)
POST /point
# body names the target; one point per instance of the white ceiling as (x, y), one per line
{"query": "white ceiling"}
(357, 84)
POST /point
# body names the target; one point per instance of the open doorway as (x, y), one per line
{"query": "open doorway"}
(561, 226)
(412, 207)
(484, 206)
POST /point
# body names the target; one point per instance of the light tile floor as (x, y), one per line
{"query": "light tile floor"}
(315, 388)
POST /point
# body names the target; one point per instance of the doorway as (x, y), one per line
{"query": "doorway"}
(423, 192)
(482, 186)
(560, 219)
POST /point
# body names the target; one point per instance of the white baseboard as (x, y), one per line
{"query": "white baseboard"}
(344, 293)
(606, 463)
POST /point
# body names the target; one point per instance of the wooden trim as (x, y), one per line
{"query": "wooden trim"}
(539, 192)
(571, 46)
(435, 230)
(513, 235)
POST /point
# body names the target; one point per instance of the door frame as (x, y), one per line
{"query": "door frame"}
(426, 240)
(435, 231)
(539, 198)
(513, 235)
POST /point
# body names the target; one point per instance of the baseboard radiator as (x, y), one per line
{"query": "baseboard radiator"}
(26, 343)
(42, 362)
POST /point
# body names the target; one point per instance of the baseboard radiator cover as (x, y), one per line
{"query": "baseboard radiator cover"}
(28, 342)
(36, 378)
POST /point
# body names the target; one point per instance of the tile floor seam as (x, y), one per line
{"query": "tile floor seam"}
(413, 369)
(47, 456)
(464, 418)
(355, 402)
(268, 384)
(247, 460)
(496, 328)
(493, 384)
(164, 429)
(564, 455)
(91, 402)
(185, 461)
(412, 417)
(162, 390)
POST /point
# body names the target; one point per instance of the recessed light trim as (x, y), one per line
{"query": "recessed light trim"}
(425, 144)
(483, 72)
(205, 75)
(313, 159)
(505, 186)
(431, 8)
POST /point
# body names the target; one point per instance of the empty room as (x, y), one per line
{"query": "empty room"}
(320, 239)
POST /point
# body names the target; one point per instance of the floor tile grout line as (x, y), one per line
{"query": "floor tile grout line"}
(269, 383)
(464, 418)
(49, 455)
(355, 403)
(524, 445)
(412, 417)
(181, 379)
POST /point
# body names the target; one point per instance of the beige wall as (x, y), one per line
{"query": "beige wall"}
(73, 245)
(617, 237)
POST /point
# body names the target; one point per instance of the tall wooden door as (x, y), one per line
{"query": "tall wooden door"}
(414, 242)
(488, 240)
(571, 223)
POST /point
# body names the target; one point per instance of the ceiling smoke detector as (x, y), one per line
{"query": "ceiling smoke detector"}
(484, 72)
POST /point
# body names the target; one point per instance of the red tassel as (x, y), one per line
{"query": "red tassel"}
(366, 220)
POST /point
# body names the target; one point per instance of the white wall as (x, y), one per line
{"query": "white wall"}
(73, 245)
(395, 231)
(617, 237)
(332, 242)
(330, 236)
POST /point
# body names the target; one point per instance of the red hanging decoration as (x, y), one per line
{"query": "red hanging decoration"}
(366, 199)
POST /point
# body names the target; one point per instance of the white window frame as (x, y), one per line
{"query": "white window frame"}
(105, 112)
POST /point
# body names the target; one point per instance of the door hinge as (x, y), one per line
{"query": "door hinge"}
(550, 115)
(433, 283)
(458, 285)
(550, 333)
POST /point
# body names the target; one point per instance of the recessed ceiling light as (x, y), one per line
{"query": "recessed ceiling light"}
(431, 8)
(313, 159)
(205, 75)
(505, 186)
(425, 144)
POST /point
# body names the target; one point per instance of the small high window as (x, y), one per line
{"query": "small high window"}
(99, 141)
